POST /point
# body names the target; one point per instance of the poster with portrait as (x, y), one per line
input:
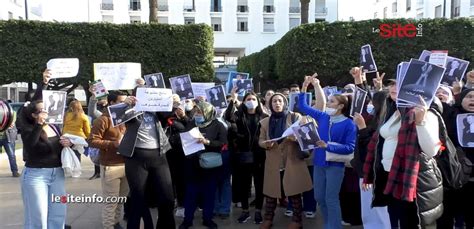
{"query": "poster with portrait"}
(421, 79)
(121, 113)
(306, 135)
(465, 129)
(182, 86)
(235, 76)
(216, 96)
(358, 101)
(367, 59)
(329, 90)
(243, 86)
(118, 76)
(293, 103)
(55, 105)
(200, 88)
(155, 80)
(455, 68)
(425, 56)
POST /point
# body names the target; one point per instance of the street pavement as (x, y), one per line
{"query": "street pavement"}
(88, 215)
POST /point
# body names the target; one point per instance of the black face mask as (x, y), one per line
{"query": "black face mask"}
(100, 107)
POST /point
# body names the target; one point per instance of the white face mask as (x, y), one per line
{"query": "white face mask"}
(251, 104)
(330, 111)
(370, 109)
(188, 106)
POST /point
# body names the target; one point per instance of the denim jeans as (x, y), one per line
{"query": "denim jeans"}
(10, 150)
(223, 196)
(309, 204)
(327, 184)
(38, 185)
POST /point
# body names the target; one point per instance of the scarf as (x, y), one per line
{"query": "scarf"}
(278, 119)
(209, 113)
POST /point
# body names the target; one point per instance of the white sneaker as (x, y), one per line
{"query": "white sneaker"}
(238, 204)
(310, 215)
(345, 223)
(289, 213)
(179, 212)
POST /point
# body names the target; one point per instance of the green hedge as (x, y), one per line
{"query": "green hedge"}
(26, 46)
(332, 49)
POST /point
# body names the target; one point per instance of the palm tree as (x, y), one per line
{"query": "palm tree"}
(153, 11)
(304, 11)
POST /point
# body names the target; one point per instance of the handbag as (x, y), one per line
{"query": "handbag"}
(210, 160)
(335, 157)
(246, 157)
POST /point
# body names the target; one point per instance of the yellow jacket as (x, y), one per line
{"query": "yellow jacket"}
(79, 126)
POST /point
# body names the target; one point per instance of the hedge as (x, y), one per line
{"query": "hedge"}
(26, 46)
(331, 49)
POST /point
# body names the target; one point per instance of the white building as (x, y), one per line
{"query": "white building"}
(423, 8)
(15, 9)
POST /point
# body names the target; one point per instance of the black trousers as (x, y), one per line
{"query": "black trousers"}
(176, 160)
(406, 212)
(245, 174)
(452, 210)
(147, 163)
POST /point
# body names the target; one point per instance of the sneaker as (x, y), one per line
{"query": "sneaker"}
(179, 212)
(244, 217)
(209, 224)
(343, 223)
(15, 174)
(238, 204)
(185, 225)
(258, 218)
(289, 213)
(310, 215)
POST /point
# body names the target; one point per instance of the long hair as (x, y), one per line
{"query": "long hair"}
(75, 108)
(379, 100)
(26, 120)
(243, 109)
(345, 101)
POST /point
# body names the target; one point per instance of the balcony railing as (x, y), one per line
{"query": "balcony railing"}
(243, 9)
(163, 8)
(189, 9)
(295, 10)
(269, 28)
(107, 6)
(216, 8)
(269, 9)
(136, 6)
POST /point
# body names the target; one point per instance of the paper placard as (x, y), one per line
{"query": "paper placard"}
(358, 100)
(63, 67)
(121, 113)
(118, 76)
(233, 76)
(182, 86)
(54, 104)
(155, 80)
(367, 59)
(99, 89)
(189, 140)
(465, 129)
(307, 136)
(154, 99)
(293, 104)
(286, 133)
(80, 95)
(199, 89)
(439, 57)
(216, 97)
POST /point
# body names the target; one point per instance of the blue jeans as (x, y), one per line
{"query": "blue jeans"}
(309, 204)
(223, 196)
(10, 150)
(327, 184)
(38, 185)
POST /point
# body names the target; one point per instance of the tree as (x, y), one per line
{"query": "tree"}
(153, 11)
(304, 11)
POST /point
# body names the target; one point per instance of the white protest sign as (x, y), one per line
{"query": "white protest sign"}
(190, 143)
(118, 76)
(286, 133)
(154, 99)
(63, 67)
(80, 95)
(439, 57)
(199, 89)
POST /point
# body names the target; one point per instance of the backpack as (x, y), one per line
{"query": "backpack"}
(452, 161)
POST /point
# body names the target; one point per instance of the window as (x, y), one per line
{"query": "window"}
(107, 5)
(163, 6)
(188, 20)
(268, 25)
(294, 22)
(21, 18)
(10, 15)
(162, 20)
(438, 11)
(135, 19)
(135, 5)
(394, 7)
(216, 6)
(268, 6)
(385, 12)
(419, 16)
(242, 6)
(189, 6)
(216, 23)
(455, 8)
(321, 7)
(375, 15)
(295, 6)
(408, 5)
(242, 24)
(108, 18)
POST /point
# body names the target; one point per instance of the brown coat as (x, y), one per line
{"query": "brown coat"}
(296, 179)
(102, 136)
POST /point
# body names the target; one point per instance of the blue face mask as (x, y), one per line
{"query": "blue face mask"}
(199, 119)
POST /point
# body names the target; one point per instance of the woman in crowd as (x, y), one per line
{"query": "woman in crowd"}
(282, 155)
(43, 176)
(338, 136)
(201, 183)
(76, 122)
(245, 123)
(95, 108)
(268, 94)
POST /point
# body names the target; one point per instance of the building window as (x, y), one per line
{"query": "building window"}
(394, 7)
(321, 7)
(189, 6)
(108, 18)
(242, 6)
(375, 15)
(419, 16)
(162, 20)
(189, 20)
(385, 12)
(295, 7)
(455, 8)
(216, 6)
(21, 18)
(216, 24)
(135, 19)
(135, 5)
(438, 11)
(408, 5)
(163, 6)
(294, 22)
(268, 6)
(268, 25)
(242, 24)
(10, 15)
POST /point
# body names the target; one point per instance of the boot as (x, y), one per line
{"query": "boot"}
(295, 225)
(267, 224)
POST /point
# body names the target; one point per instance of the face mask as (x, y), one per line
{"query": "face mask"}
(251, 104)
(199, 119)
(188, 107)
(330, 111)
(370, 109)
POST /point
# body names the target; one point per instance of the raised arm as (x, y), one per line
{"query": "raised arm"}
(317, 114)
(43, 85)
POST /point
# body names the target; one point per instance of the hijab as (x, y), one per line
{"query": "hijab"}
(277, 123)
(208, 112)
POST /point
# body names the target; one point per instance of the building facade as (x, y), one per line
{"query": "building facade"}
(423, 9)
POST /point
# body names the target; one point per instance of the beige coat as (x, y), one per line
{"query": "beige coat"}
(296, 179)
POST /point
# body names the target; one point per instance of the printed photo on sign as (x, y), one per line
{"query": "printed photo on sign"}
(181, 85)
(121, 113)
(63, 67)
(293, 104)
(421, 78)
(425, 56)
(330, 90)
(465, 127)
(216, 96)
(455, 68)
(358, 101)
(154, 99)
(118, 76)
(155, 80)
(235, 76)
(199, 89)
(367, 59)
(307, 136)
(55, 105)
(99, 89)
(243, 86)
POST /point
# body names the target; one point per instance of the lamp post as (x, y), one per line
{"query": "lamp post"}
(26, 9)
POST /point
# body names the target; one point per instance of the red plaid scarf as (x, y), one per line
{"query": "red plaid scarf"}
(402, 179)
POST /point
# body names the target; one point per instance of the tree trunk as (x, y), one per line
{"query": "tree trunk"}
(304, 11)
(153, 11)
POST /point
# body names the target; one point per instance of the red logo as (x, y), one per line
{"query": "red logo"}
(399, 30)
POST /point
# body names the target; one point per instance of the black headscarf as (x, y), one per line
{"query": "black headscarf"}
(277, 123)
(458, 103)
